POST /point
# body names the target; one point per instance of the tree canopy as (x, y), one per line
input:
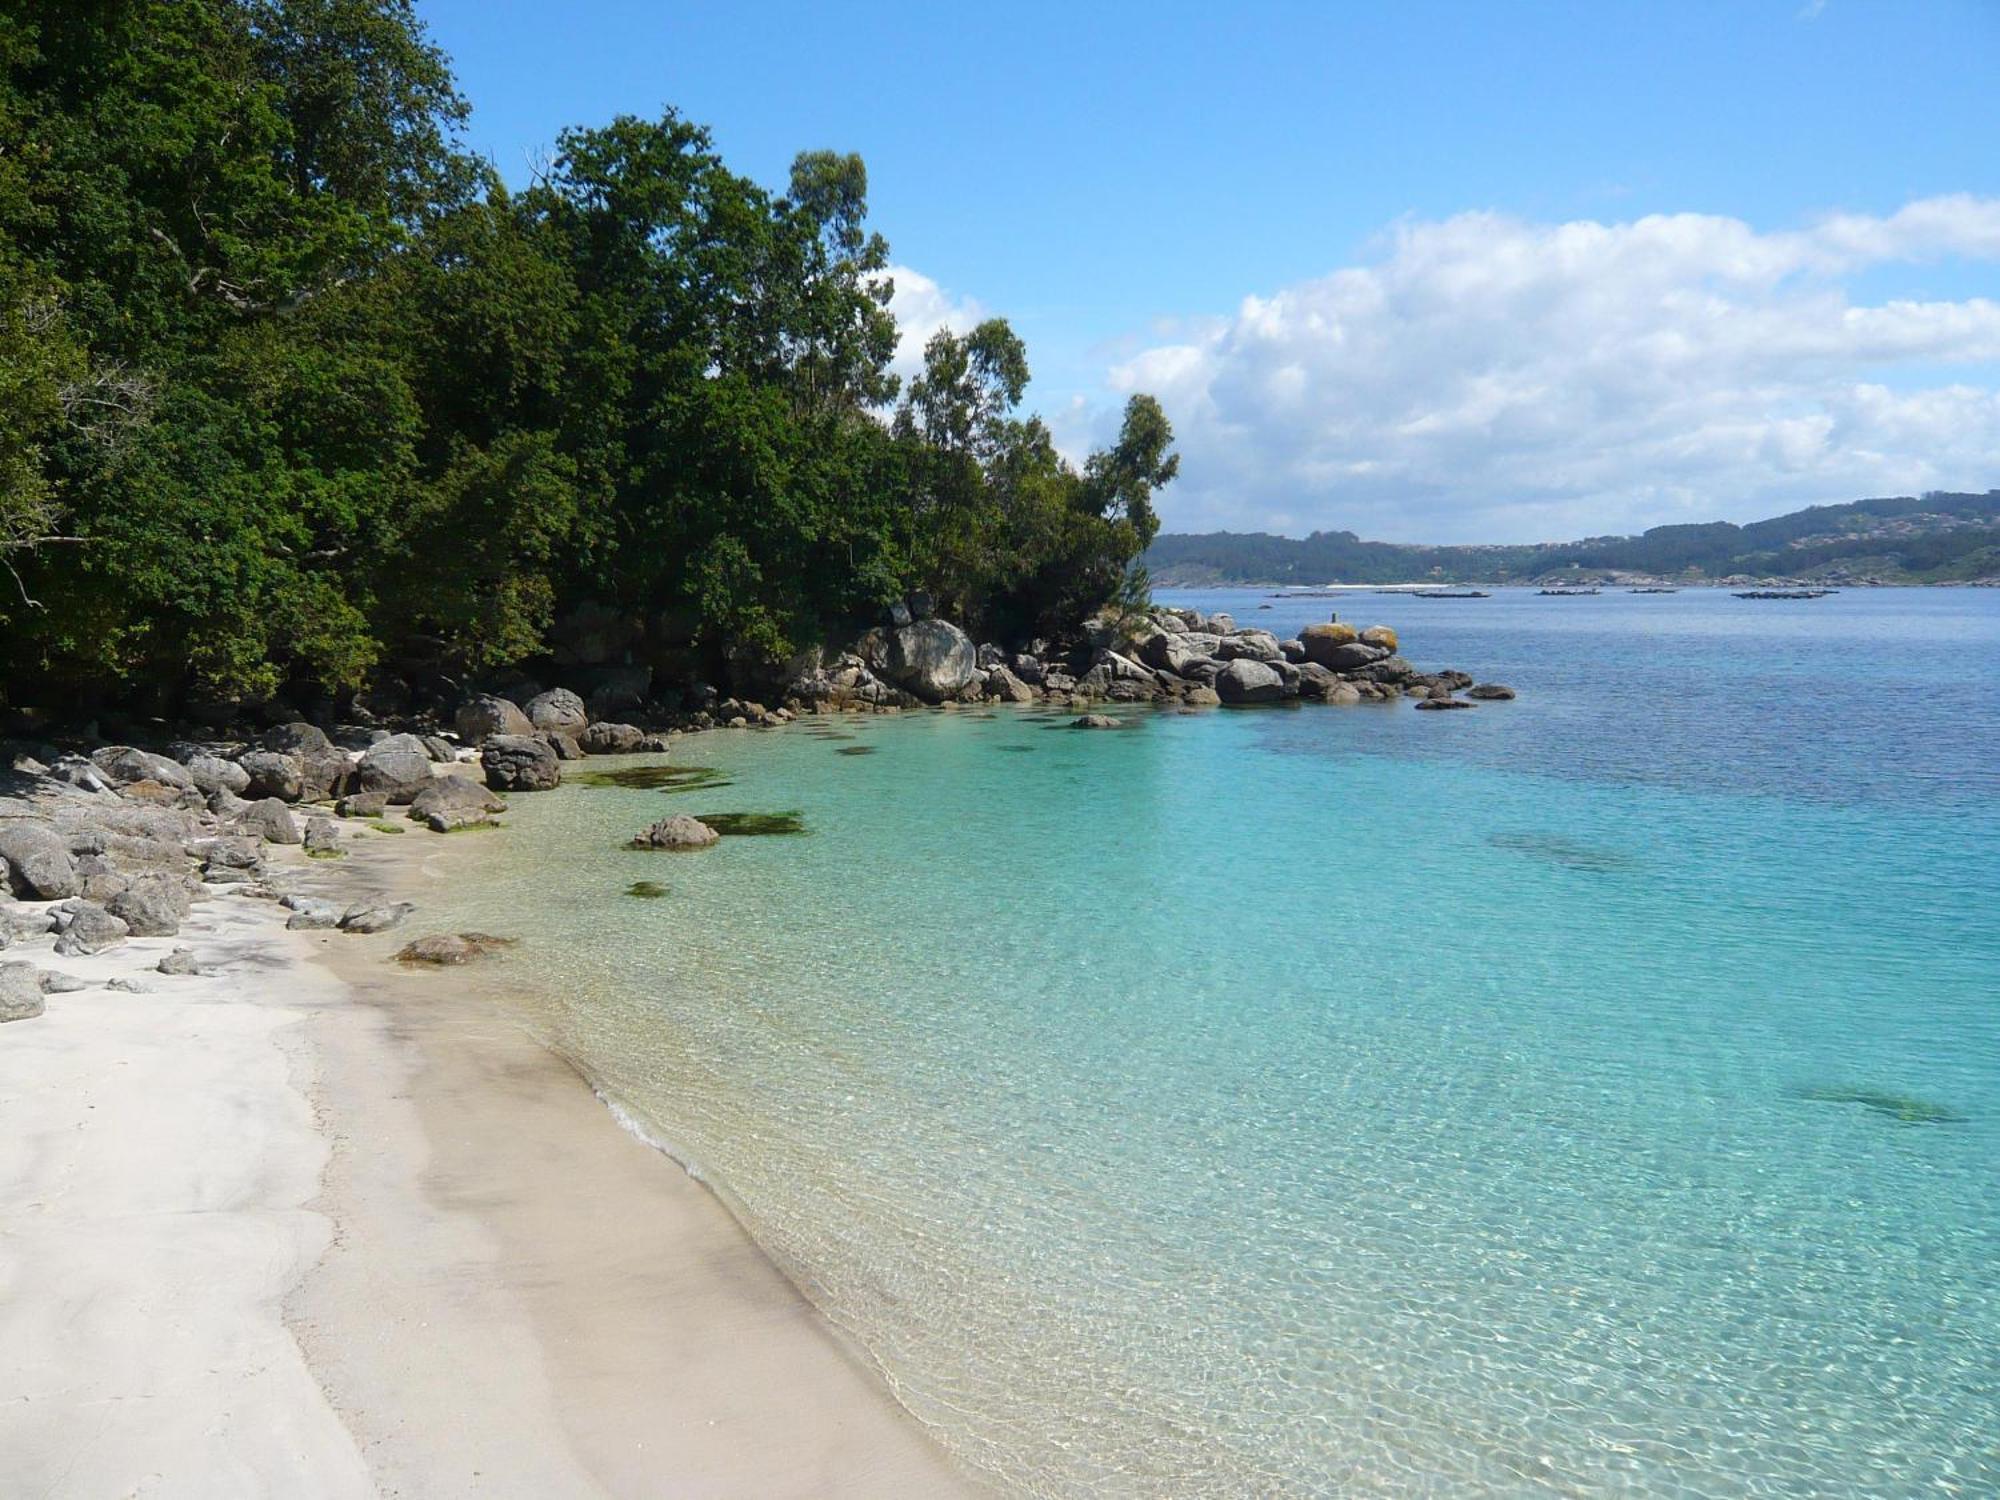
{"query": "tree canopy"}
(294, 391)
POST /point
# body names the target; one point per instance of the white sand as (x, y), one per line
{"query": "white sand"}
(304, 1230)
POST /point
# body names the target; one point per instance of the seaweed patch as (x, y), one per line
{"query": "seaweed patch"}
(755, 825)
(1904, 1109)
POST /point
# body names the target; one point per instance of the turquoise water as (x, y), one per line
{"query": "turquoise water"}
(1597, 1093)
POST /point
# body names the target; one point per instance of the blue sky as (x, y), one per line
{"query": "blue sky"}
(1118, 178)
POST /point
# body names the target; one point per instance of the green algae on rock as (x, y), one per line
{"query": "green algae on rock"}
(646, 890)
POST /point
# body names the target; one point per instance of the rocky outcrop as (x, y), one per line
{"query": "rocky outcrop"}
(519, 763)
(933, 659)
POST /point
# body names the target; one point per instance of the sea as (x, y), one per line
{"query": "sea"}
(1591, 1094)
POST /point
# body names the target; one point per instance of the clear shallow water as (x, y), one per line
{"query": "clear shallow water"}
(1596, 1093)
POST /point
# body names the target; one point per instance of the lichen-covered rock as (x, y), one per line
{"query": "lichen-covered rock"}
(1247, 680)
(558, 711)
(602, 738)
(519, 763)
(1325, 643)
(932, 658)
(482, 717)
(37, 861)
(398, 767)
(1379, 635)
(677, 832)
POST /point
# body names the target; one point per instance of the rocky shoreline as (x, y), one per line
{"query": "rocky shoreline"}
(120, 842)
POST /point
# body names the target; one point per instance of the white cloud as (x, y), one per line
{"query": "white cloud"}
(1485, 378)
(921, 307)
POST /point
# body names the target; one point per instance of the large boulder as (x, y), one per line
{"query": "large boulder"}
(398, 767)
(519, 763)
(1172, 651)
(125, 766)
(1259, 645)
(38, 864)
(152, 905)
(370, 916)
(932, 658)
(211, 774)
(1247, 680)
(297, 738)
(1004, 685)
(1321, 641)
(484, 716)
(454, 794)
(1490, 692)
(1380, 635)
(272, 773)
(558, 711)
(604, 738)
(677, 832)
(270, 820)
(1352, 657)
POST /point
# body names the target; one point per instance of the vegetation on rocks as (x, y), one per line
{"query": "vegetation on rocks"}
(297, 397)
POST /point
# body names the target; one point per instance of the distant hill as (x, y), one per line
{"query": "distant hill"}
(1934, 538)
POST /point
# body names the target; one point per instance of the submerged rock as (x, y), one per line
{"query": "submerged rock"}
(1489, 691)
(1096, 721)
(1445, 702)
(451, 948)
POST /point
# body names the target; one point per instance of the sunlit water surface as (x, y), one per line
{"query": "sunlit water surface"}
(1596, 1093)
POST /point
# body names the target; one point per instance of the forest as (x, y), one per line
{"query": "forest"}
(1933, 538)
(295, 391)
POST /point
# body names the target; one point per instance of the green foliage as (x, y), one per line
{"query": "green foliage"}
(319, 394)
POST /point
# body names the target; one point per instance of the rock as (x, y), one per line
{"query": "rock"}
(273, 774)
(211, 774)
(398, 767)
(482, 717)
(322, 838)
(519, 763)
(932, 658)
(91, 929)
(1314, 680)
(127, 986)
(455, 794)
(441, 750)
(37, 861)
(677, 832)
(1004, 685)
(566, 748)
(365, 804)
(308, 914)
(990, 656)
(1444, 703)
(180, 961)
(1380, 635)
(20, 993)
(1491, 692)
(922, 605)
(1259, 645)
(1390, 669)
(271, 821)
(451, 948)
(55, 982)
(297, 738)
(613, 739)
(899, 614)
(1221, 624)
(152, 906)
(365, 917)
(124, 766)
(452, 819)
(558, 711)
(1321, 641)
(1200, 696)
(1096, 721)
(1247, 680)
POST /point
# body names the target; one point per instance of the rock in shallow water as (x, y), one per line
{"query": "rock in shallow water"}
(677, 832)
(451, 948)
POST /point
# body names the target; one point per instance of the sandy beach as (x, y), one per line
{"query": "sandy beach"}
(314, 1224)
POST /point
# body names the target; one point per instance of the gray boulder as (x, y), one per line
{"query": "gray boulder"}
(89, 929)
(1004, 685)
(932, 658)
(602, 738)
(1259, 645)
(297, 738)
(1351, 657)
(519, 763)
(272, 773)
(454, 794)
(309, 914)
(677, 832)
(37, 861)
(123, 766)
(269, 820)
(180, 961)
(20, 993)
(558, 711)
(322, 839)
(152, 906)
(398, 767)
(1491, 692)
(211, 774)
(366, 916)
(1444, 703)
(1096, 721)
(482, 717)
(1247, 680)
